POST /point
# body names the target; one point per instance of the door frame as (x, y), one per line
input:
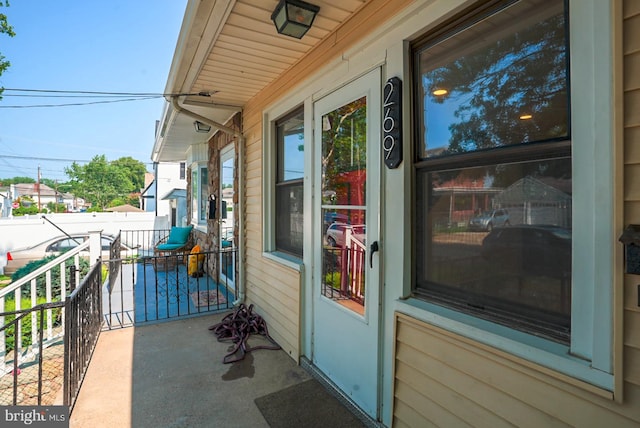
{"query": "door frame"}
(227, 153)
(373, 316)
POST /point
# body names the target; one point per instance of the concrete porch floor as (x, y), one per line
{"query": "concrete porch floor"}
(171, 375)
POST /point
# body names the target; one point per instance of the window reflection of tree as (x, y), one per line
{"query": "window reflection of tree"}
(491, 87)
(343, 145)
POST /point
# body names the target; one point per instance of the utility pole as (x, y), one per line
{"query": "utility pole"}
(55, 206)
(38, 185)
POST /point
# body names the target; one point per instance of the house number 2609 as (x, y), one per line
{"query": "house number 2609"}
(392, 123)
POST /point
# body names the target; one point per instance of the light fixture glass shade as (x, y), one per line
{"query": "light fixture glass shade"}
(201, 127)
(294, 17)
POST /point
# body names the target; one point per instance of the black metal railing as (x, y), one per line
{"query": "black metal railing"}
(143, 287)
(33, 380)
(115, 262)
(82, 326)
(55, 364)
(155, 287)
(140, 243)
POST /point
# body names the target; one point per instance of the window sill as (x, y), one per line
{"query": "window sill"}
(200, 227)
(534, 352)
(285, 259)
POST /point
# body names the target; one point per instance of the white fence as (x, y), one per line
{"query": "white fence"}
(20, 232)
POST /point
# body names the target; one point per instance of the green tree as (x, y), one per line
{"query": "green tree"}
(60, 187)
(56, 208)
(117, 201)
(99, 181)
(7, 29)
(493, 86)
(26, 205)
(134, 169)
(16, 180)
(132, 199)
(344, 148)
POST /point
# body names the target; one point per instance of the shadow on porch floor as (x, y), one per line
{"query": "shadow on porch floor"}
(171, 375)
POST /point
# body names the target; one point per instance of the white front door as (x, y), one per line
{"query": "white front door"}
(346, 287)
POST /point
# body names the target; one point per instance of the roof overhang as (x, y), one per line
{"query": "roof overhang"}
(227, 52)
(175, 194)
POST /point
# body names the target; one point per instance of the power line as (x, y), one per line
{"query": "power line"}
(67, 96)
(44, 159)
(126, 94)
(54, 159)
(56, 91)
(81, 104)
(89, 94)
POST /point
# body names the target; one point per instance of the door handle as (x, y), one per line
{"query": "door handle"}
(372, 249)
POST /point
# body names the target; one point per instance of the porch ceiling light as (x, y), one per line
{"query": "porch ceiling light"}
(440, 92)
(526, 116)
(201, 127)
(294, 17)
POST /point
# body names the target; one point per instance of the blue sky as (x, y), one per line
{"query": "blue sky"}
(80, 45)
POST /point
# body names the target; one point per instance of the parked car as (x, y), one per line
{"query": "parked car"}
(56, 246)
(336, 233)
(490, 219)
(532, 249)
(331, 217)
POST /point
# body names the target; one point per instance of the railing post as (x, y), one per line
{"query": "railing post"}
(3, 339)
(68, 323)
(40, 353)
(72, 278)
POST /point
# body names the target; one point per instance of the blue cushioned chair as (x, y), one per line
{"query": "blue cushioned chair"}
(178, 242)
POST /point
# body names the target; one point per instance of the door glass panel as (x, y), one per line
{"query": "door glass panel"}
(344, 173)
(227, 221)
(204, 188)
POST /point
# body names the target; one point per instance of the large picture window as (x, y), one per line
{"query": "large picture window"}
(493, 167)
(289, 192)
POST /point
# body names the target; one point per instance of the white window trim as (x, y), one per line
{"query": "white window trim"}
(591, 355)
(198, 224)
(270, 173)
(227, 153)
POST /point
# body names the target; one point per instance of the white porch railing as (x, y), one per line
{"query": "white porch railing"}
(25, 295)
(354, 268)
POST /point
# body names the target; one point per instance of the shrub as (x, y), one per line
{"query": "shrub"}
(332, 279)
(55, 275)
(26, 322)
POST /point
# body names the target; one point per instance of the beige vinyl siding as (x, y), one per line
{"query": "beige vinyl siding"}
(274, 288)
(439, 376)
(631, 52)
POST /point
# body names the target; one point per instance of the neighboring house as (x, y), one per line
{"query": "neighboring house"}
(40, 193)
(147, 195)
(166, 193)
(43, 194)
(495, 90)
(71, 203)
(531, 201)
(456, 201)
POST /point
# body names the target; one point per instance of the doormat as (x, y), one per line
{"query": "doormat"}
(307, 404)
(208, 298)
